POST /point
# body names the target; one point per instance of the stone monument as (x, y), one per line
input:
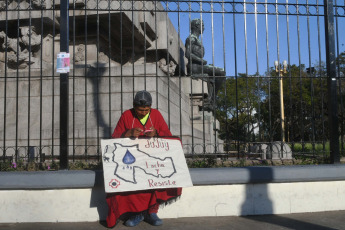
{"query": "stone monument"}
(129, 51)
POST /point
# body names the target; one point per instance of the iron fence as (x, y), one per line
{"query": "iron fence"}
(268, 81)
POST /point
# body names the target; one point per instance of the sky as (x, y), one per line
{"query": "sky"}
(238, 42)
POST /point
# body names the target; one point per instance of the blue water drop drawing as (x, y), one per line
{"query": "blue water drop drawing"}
(128, 158)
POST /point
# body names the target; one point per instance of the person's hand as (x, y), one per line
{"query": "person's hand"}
(135, 132)
(151, 133)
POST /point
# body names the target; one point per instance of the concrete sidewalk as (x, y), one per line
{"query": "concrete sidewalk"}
(305, 221)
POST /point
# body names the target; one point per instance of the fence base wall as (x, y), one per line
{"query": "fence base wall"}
(87, 204)
(83, 205)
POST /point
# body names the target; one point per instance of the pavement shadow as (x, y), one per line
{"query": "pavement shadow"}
(288, 222)
(259, 207)
(98, 196)
(257, 200)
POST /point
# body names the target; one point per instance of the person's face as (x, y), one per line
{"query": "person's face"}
(142, 111)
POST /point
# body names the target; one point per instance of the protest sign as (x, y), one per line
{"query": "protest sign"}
(143, 163)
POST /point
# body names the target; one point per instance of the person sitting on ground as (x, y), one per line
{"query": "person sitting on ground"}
(136, 206)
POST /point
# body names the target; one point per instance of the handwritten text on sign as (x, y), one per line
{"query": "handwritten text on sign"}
(141, 164)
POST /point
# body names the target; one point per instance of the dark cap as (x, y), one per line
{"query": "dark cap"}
(142, 98)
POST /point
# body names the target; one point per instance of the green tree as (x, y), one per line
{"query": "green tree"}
(305, 106)
(249, 107)
(237, 104)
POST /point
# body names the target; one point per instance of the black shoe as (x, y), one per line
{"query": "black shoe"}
(153, 219)
(134, 220)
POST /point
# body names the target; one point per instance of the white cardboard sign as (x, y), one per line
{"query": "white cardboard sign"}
(140, 164)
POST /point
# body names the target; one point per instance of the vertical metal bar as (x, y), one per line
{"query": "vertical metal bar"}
(269, 75)
(202, 88)
(281, 88)
(290, 117)
(109, 69)
(300, 77)
(202, 82)
(258, 80)
(236, 85)
(97, 85)
(225, 85)
(311, 75)
(214, 84)
(156, 53)
(145, 61)
(191, 79)
(247, 137)
(180, 68)
(29, 79)
(17, 83)
(321, 80)
(64, 87)
(167, 61)
(133, 50)
(339, 79)
(41, 84)
(53, 83)
(74, 83)
(256, 37)
(341, 90)
(331, 83)
(5, 84)
(85, 81)
(121, 52)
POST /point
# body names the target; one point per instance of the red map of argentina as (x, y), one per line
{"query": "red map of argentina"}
(129, 158)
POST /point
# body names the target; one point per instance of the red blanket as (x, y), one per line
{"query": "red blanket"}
(123, 203)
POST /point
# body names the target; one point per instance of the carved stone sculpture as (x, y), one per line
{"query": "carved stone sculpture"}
(80, 53)
(19, 55)
(30, 38)
(2, 5)
(197, 66)
(167, 68)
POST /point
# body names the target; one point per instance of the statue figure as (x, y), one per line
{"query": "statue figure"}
(197, 66)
